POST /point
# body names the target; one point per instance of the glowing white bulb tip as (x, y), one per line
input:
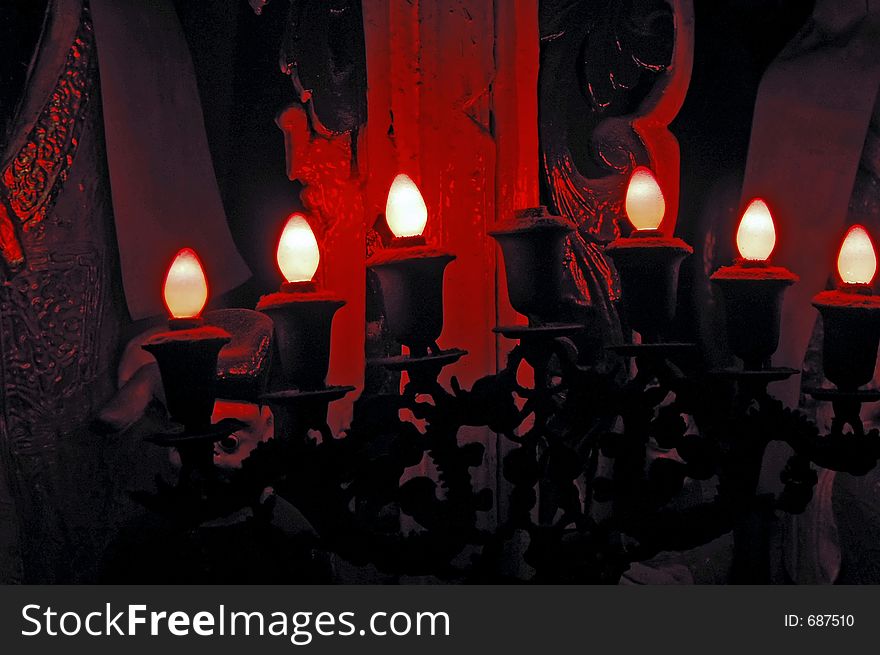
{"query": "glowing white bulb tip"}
(857, 260)
(756, 235)
(298, 254)
(405, 209)
(186, 287)
(644, 204)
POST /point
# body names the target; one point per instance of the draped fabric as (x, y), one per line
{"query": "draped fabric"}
(165, 194)
(62, 311)
(810, 157)
(61, 314)
(811, 119)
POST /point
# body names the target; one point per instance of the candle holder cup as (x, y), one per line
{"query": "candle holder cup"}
(303, 323)
(187, 361)
(648, 267)
(851, 325)
(532, 242)
(753, 295)
(411, 279)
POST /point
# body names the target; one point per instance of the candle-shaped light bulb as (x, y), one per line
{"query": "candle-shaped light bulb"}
(644, 204)
(756, 235)
(405, 209)
(186, 287)
(857, 261)
(298, 253)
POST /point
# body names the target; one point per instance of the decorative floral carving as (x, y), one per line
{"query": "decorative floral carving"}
(601, 67)
(33, 178)
(48, 351)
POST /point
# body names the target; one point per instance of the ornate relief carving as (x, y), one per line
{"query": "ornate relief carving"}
(59, 326)
(613, 75)
(33, 178)
(605, 67)
(49, 354)
(323, 52)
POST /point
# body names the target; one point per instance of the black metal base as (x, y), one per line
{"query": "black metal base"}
(831, 395)
(211, 434)
(293, 397)
(656, 350)
(847, 406)
(423, 370)
(297, 411)
(546, 331)
(766, 376)
(409, 364)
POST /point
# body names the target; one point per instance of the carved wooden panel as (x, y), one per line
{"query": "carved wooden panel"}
(614, 74)
(452, 99)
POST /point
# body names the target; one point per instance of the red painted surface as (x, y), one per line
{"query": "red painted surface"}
(437, 72)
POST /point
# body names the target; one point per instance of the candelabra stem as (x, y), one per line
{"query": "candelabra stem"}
(751, 544)
(299, 411)
(196, 462)
(751, 512)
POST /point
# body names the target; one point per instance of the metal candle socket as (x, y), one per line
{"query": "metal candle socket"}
(753, 295)
(851, 322)
(533, 244)
(188, 365)
(303, 323)
(648, 269)
(412, 290)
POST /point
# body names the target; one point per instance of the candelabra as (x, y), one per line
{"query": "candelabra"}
(583, 490)
(187, 357)
(303, 318)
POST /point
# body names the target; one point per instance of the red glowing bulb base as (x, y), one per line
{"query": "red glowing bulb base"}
(187, 355)
(301, 313)
(532, 241)
(411, 273)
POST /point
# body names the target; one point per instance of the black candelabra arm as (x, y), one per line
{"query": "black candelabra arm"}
(588, 494)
